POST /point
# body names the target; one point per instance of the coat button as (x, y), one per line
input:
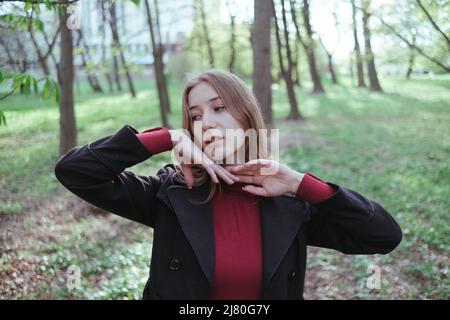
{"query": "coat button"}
(174, 264)
(292, 275)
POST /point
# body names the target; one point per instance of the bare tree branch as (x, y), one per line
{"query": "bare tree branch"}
(430, 18)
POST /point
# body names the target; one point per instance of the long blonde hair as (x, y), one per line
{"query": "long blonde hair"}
(239, 102)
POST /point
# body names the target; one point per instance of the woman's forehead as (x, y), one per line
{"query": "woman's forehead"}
(201, 94)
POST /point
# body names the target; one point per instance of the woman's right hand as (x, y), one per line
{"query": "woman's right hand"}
(189, 154)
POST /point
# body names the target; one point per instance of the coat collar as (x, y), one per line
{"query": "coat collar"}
(281, 219)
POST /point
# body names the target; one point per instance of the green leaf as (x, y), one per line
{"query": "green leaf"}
(18, 80)
(57, 91)
(28, 6)
(2, 119)
(35, 86)
(46, 91)
(27, 85)
(38, 24)
(37, 8)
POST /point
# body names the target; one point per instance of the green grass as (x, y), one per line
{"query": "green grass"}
(392, 147)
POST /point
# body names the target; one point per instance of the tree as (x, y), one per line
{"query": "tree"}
(290, 64)
(390, 27)
(200, 7)
(262, 77)
(117, 47)
(18, 62)
(330, 62)
(308, 45)
(374, 83)
(357, 50)
(104, 65)
(412, 57)
(310, 50)
(158, 65)
(433, 22)
(232, 61)
(84, 52)
(67, 128)
(294, 114)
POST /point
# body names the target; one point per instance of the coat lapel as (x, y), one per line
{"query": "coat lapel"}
(281, 219)
(197, 224)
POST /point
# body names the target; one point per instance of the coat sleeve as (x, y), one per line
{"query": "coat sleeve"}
(352, 224)
(96, 173)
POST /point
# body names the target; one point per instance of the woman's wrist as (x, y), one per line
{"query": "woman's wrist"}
(295, 181)
(176, 136)
(156, 140)
(313, 189)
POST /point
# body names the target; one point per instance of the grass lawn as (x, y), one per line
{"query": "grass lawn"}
(393, 147)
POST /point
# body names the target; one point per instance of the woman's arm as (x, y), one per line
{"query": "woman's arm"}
(344, 220)
(96, 172)
(339, 218)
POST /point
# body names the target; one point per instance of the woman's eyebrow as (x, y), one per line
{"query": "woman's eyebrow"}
(210, 100)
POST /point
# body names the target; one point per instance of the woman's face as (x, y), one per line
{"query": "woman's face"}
(212, 123)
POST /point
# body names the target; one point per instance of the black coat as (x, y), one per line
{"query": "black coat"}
(183, 255)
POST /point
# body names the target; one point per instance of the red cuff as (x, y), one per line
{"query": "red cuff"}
(314, 190)
(156, 140)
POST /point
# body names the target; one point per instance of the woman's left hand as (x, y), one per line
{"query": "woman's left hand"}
(267, 178)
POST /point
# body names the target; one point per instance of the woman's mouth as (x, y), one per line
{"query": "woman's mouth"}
(212, 140)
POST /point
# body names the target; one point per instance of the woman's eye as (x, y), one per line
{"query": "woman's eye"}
(219, 108)
(194, 118)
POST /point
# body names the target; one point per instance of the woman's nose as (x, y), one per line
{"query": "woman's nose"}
(209, 121)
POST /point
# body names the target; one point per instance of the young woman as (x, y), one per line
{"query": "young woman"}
(221, 230)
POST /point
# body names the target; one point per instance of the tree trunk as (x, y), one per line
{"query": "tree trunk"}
(162, 78)
(262, 77)
(330, 63)
(118, 47)
(290, 65)
(358, 57)
(104, 64)
(68, 131)
(374, 83)
(299, 38)
(294, 114)
(318, 88)
(158, 69)
(295, 63)
(201, 7)
(85, 56)
(41, 59)
(232, 61)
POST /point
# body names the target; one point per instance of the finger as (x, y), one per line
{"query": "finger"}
(222, 173)
(225, 178)
(229, 174)
(212, 174)
(246, 166)
(188, 176)
(246, 179)
(246, 173)
(258, 191)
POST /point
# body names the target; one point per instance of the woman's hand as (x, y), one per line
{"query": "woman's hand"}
(189, 154)
(270, 177)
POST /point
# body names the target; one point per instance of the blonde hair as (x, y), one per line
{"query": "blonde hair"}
(239, 102)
